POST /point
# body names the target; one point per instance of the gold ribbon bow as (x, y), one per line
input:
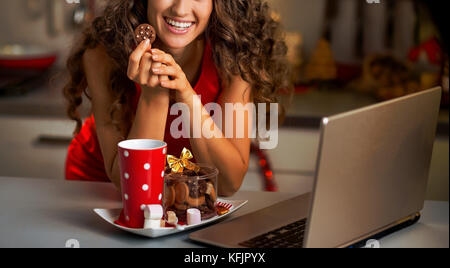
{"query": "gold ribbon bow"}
(178, 165)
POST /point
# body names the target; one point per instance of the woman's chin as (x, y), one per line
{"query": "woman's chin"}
(177, 44)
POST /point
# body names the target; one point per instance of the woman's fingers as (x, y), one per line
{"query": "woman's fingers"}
(144, 69)
(170, 84)
(164, 58)
(141, 65)
(165, 70)
(170, 67)
(135, 59)
(163, 78)
(157, 51)
(154, 79)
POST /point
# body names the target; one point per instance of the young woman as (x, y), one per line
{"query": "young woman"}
(226, 51)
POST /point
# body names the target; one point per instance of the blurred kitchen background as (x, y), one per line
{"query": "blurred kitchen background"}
(345, 54)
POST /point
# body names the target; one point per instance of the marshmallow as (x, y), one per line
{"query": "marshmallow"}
(193, 216)
(153, 212)
(153, 224)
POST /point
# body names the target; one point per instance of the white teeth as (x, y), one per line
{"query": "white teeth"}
(179, 24)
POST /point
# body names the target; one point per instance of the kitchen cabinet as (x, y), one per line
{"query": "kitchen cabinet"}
(296, 152)
(296, 155)
(302, 16)
(50, 23)
(34, 147)
(293, 162)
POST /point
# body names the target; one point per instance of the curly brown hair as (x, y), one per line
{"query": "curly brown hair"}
(244, 38)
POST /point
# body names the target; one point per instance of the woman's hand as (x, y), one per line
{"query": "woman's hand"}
(140, 69)
(178, 80)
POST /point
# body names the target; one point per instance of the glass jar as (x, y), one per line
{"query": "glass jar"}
(183, 191)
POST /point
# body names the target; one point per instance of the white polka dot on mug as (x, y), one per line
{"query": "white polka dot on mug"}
(145, 187)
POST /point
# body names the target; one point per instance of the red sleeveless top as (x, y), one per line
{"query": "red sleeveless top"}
(84, 159)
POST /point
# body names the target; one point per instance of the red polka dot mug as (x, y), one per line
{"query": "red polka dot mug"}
(142, 164)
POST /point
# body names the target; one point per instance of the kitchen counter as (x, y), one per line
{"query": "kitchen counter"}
(43, 98)
(47, 213)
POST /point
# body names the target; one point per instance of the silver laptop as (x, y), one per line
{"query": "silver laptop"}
(371, 178)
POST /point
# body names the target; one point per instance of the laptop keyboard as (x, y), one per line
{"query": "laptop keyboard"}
(289, 236)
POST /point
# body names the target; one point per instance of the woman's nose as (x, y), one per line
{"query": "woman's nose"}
(181, 8)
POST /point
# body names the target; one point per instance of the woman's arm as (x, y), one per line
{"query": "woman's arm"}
(151, 113)
(229, 155)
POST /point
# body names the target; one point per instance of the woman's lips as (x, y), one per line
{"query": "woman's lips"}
(178, 20)
(176, 30)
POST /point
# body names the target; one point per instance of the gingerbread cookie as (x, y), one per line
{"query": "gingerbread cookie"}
(169, 196)
(182, 196)
(181, 192)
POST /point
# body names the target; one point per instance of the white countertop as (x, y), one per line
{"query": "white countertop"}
(47, 213)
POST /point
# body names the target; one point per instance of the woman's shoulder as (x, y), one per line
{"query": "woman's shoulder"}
(96, 60)
(97, 68)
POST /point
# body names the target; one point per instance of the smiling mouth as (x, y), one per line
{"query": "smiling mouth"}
(177, 24)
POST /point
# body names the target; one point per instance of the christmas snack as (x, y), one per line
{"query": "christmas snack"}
(189, 187)
(144, 32)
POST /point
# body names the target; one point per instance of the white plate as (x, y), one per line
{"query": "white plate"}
(110, 215)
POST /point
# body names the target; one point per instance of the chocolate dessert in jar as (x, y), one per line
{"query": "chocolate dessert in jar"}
(191, 189)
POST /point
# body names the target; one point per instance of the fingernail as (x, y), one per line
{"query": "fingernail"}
(147, 42)
(155, 70)
(155, 57)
